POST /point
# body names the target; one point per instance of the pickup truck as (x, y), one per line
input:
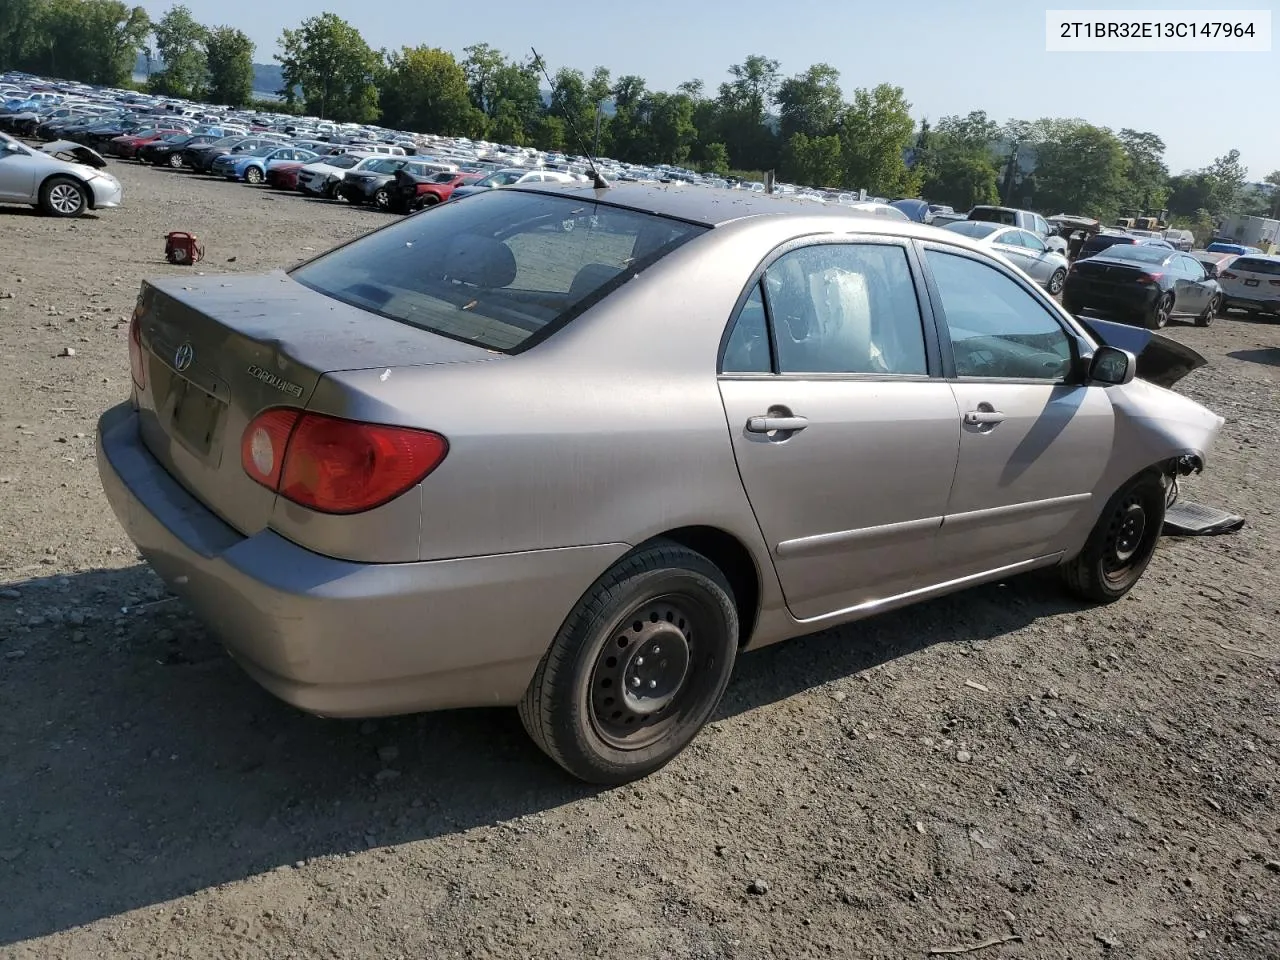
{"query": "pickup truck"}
(1024, 219)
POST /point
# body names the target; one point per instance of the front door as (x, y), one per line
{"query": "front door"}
(845, 444)
(1034, 445)
(1191, 290)
(17, 172)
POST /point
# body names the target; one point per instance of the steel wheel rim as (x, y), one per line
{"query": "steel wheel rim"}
(1127, 539)
(652, 669)
(1057, 280)
(65, 198)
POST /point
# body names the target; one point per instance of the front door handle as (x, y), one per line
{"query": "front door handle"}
(780, 424)
(980, 417)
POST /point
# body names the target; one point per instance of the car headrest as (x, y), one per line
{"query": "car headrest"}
(482, 261)
(590, 279)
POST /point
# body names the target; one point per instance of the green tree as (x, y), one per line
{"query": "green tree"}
(813, 161)
(94, 41)
(875, 131)
(1081, 169)
(229, 56)
(1146, 176)
(671, 130)
(715, 158)
(328, 60)
(743, 101)
(481, 67)
(550, 133)
(518, 95)
(19, 32)
(424, 89)
(1190, 193)
(958, 174)
(628, 130)
(975, 130)
(1227, 176)
(180, 43)
(810, 102)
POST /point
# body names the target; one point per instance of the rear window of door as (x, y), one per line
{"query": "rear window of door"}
(997, 328)
(833, 308)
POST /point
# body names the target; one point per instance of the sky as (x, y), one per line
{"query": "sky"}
(950, 56)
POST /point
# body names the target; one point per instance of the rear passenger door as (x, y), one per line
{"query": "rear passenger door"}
(845, 437)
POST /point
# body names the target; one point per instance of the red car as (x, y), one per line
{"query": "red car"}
(409, 193)
(283, 176)
(127, 146)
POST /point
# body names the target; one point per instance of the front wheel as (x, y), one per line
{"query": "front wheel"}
(253, 175)
(63, 197)
(1057, 280)
(381, 198)
(175, 161)
(1158, 317)
(637, 668)
(1121, 544)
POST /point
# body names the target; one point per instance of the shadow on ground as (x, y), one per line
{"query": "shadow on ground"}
(1269, 356)
(138, 764)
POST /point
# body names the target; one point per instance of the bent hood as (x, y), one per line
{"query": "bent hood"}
(1160, 360)
(83, 155)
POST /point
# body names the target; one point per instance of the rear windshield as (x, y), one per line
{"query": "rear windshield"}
(1257, 265)
(1102, 241)
(1141, 252)
(994, 215)
(973, 228)
(501, 269)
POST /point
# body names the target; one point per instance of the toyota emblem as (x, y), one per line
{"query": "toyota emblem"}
(182, 359)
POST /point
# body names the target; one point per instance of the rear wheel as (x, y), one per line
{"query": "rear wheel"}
(1212, 309)
(1121, 544)
(175, 160)
(638, 667)
(63, 197)
(1158, 316)
(381, 198)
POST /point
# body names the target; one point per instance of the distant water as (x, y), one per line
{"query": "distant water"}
(258, 94)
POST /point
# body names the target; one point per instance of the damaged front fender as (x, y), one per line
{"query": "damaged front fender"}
(1160, 360)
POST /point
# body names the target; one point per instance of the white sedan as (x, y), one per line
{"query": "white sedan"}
(1022, 248)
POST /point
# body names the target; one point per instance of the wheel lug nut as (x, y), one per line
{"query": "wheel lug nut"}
(653, 684)
(635, 681)
(639, 661)
(656, 651)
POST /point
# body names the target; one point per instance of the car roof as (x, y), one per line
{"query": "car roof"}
(707, 205)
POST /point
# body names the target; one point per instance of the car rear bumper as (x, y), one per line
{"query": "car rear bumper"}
(1115, 298)
(1265, 304)
(340, 638)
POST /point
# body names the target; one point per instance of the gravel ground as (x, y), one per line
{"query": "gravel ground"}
(999, 764)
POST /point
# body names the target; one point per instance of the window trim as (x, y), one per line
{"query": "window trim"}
(1081, 344)
(933, 355)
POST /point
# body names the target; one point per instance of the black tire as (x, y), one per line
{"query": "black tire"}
(430, 200)
(1057, 280)
(381, 198)
(580, 708)
(1210, 311)
(1122, 542)
(1157, 317)
(63, 197)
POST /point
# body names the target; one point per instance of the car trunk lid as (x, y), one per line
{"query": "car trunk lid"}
(217, 351)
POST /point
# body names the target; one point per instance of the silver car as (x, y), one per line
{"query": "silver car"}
(473, 459)
(62, 179)
(1022, 247)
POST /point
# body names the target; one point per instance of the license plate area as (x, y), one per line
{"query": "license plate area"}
(1251, 282)
(196, 417)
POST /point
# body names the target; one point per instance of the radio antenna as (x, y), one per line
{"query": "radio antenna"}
(597, 180)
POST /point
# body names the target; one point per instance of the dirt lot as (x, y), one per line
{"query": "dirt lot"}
(1099, 782)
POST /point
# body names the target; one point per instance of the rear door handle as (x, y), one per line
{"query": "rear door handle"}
(781, 424)
(984, 416)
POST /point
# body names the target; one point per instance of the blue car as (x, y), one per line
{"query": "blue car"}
(252, 166)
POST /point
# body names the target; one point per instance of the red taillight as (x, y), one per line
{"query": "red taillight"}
(333, 465)
(1227, 275)
(137, 362)
(1147, 279)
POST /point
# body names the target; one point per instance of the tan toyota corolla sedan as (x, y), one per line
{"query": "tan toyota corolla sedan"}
(480, 458)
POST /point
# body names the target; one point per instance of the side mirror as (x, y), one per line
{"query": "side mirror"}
(1112, 366)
